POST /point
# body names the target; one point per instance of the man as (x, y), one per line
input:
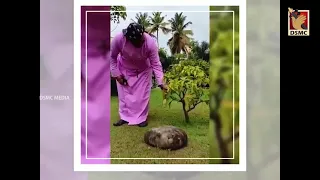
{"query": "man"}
(134, 56)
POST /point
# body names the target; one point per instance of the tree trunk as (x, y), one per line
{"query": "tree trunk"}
(223, 146)
(158, 38)
(185, 112)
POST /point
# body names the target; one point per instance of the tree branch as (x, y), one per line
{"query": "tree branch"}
(193, 106)
(183, 95)
(230, 138)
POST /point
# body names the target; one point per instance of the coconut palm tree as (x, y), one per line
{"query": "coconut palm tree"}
(199, 50)
(203, 50)
(142, 19)
(157, 23)
(180, 39)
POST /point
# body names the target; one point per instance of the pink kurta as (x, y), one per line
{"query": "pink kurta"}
(137, 65)
(97, 107)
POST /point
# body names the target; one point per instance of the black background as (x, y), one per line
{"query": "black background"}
(299, 88)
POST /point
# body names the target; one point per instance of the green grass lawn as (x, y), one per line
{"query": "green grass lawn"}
(127, 141)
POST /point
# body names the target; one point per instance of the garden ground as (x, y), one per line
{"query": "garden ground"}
(127, 141)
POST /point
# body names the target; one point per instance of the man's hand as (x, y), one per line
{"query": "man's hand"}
(121, 80)
(296, 23)
(163, 87)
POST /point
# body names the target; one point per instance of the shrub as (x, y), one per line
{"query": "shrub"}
(188, 83)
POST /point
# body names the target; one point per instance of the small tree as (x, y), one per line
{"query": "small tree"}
(188, 83)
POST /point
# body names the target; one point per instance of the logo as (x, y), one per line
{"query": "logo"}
(298, 22)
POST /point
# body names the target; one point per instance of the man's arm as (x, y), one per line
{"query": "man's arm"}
(155, 63)
(114, 52)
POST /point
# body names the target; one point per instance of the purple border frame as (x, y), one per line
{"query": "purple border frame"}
(97, 76)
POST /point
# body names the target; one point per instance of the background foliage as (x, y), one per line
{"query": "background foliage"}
(224, 84)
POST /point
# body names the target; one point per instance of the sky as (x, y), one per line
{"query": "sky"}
(200, 21)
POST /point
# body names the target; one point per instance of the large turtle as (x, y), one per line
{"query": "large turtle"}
(166, 137)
